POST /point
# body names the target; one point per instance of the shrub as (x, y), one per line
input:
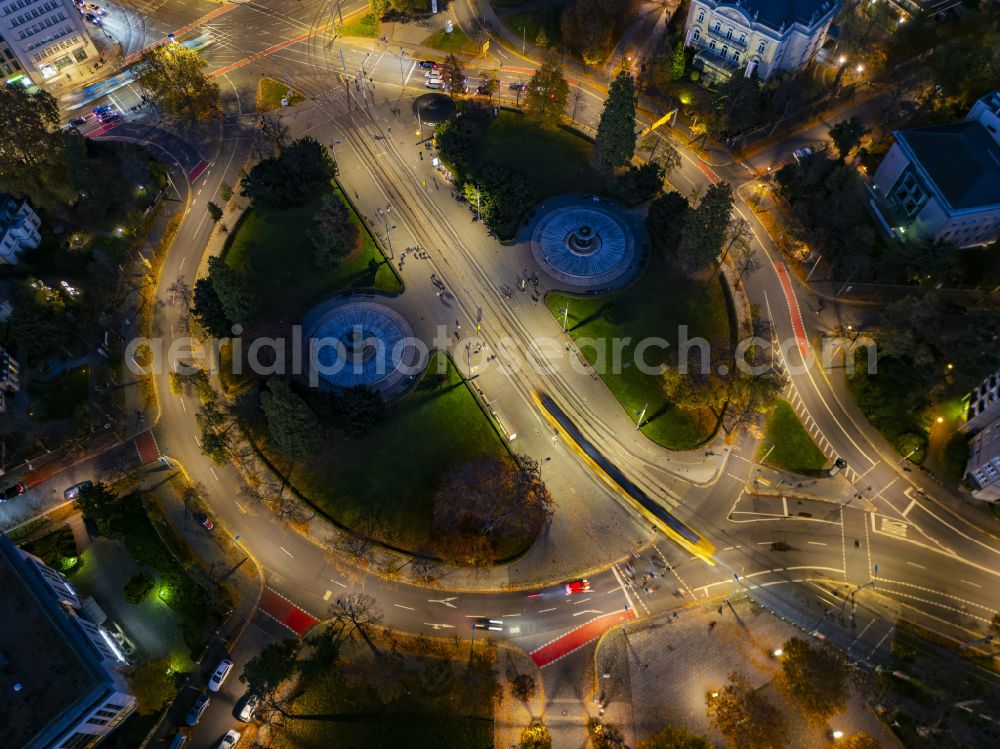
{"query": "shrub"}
(138, 587)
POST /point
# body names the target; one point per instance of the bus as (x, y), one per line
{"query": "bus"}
(659, 516)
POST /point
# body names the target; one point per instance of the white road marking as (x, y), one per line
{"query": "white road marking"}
(918, 566)
(582, 600)
(241, 507)
(181, 266)
(440, 626)
(444, 601)
(588, 611)
(545, 611)
(401, 606)
(326, 596)
(286, 551)
(337, 582)
(909, 507)
(816, 543)
(182, 403)
(506, 615)
(974, 585)
(621, 582)
(214, 474)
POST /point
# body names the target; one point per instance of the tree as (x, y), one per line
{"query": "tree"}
(356, 613)
(152, 684)
(208, 310)
(271, 136)
(499, 194)
(523, 687)
(847, 134)
(293, 427)
(862, 740)
(32, 150)
(666, 216)
(452, 74)
(638, 183)
(266, 671)
(214, 211)
(663, 152)
(674, 737)
(588, 27)
(334, 236)
(678, 66)
(815, 677)
(291, 179)
(736, 107)
(605, 735)
(614, 145)
(323, 652)
(489, 82)
(487, 499)
(705, 228)
(359, 410)
(745, 716)
(225, 191)
(535, 736)
(173, 77)
(695, 391)
(541, 38)
(230, 286)
(102, 506)
(547, 93)
(378, 8)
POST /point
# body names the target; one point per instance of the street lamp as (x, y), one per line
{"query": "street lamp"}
(859, 69)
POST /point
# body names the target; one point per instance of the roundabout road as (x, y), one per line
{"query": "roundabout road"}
(938, 567)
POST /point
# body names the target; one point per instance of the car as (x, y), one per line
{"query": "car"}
(577, 586)
(198, 709)
(94, 19)
(229, 740)
(221, 672)
(838, 465)
(74, 491)
(103, 108)
(78, 121)
(247, 706)
(109, 116)
(432, 74)
(517, 86)
(435, 83)
(483, 89)
(121, 638)
(204, 521)
(427, 64)
(801, 153)
(12, 491)
(493, 625)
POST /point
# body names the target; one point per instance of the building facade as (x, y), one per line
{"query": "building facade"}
(982, 421)
(942, 182)
(10, 377)
(18, 228)
(761, 37)
(60, 673)
(48, 37)
(10, 66)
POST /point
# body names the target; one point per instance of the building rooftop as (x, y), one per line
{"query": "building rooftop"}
(786, 12)
(961, 158)
(39, 650)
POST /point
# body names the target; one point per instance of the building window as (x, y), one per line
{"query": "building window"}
(711, 44)
(725, 50)
(718, 26)
(736, 56)
(761, 46)
(701, 16)
(696, 35)
(729, 33)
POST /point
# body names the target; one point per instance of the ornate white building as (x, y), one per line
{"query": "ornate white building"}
(757, 36)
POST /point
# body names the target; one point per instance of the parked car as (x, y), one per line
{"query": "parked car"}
(493, 625)
(518, 86)
(801, 153)
(198, 709)
(577, 586)
(427, 64)
(204, 521)
(178, 741)
(432, 74)
(221, 672)
(94, 19)
(13, 491)
(78, 121)
(246, 707)
(838, 465)
(229, 740)
(74, 491)
(103, 108)
(436, 83)
(121, 638)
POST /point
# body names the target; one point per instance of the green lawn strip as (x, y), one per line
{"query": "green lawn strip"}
(655, 306)
(525, 24)
(274, 249)
(554, 161)
(395, 469)
(64, 397)
(457, 41)
(367, 26)
(793, 448)
(57, 549)
(270, 93)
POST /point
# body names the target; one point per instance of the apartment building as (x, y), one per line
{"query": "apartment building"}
(48, 37)
(18, 228)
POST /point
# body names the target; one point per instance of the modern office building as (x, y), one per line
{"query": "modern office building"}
(942, 182)
(18, 228)
(10, 377)
(60, 674)
(48, 37)
(759, 37)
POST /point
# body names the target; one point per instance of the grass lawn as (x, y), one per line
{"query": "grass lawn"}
(366, 25)
(65, 397)
(554, 161)
(270, 93)
(527, 23)
(274, 250)
(457, 41)
(395, 469)
(895, 403)
(656, 305)
(794, 450)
